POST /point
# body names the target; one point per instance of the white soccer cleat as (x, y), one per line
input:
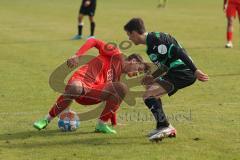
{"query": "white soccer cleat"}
(169, 131)
(153, 132)
(229, 45)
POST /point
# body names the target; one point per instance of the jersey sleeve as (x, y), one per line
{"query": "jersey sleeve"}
(90, 43)
(179, 53)
(105, 49)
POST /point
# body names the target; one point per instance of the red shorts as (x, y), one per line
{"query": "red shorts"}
(92, 91)
(232, 8)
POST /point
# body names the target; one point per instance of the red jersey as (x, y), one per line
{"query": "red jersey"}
(234, 1)
(106, 67)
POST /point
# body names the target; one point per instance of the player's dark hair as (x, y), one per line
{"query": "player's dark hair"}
(135, 24)
(135, 56)
(139, 59)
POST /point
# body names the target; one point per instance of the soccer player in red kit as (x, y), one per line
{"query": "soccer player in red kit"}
(97, 81)
(231, 7)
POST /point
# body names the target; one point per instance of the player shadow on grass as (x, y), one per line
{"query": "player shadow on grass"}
(30, 139)
(112, 140)
(29, 134)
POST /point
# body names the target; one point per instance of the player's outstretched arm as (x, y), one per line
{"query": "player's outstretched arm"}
(90, 43)
(179, 53)
(73, 61)
(147, 80)
(201, 76)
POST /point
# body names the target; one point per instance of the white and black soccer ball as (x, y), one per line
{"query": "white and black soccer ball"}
(68, 121)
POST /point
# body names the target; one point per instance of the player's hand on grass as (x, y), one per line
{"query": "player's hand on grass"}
(73, 61)
(201, 76)
(87, 3)
(147, 80)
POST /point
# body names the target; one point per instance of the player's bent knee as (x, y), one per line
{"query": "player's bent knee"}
(150, 92)
(74, 89)
(146, 95)
(158, 89)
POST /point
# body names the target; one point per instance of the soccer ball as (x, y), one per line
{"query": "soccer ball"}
(68, 121)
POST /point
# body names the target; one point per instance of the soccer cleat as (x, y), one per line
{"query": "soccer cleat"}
(77, 37)
(153, 132)
(104, 128)
(41, 124)
(229, 45)
(169, 131)
(157, 130)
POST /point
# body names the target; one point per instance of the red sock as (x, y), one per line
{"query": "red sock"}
(229, 36)
(109, 112)
(114, 119)
(59, 106)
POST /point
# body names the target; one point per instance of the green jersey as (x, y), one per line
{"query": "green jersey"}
(164, 50)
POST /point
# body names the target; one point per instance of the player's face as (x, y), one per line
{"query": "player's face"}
(134, 37)
(134, 68)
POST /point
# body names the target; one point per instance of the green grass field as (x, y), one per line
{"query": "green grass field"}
(35, 39)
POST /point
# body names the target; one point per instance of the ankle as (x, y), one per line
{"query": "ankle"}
(49, 118)
(162, 124)
(101, 122)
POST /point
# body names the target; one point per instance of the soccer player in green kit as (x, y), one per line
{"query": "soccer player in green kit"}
(175, 71)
